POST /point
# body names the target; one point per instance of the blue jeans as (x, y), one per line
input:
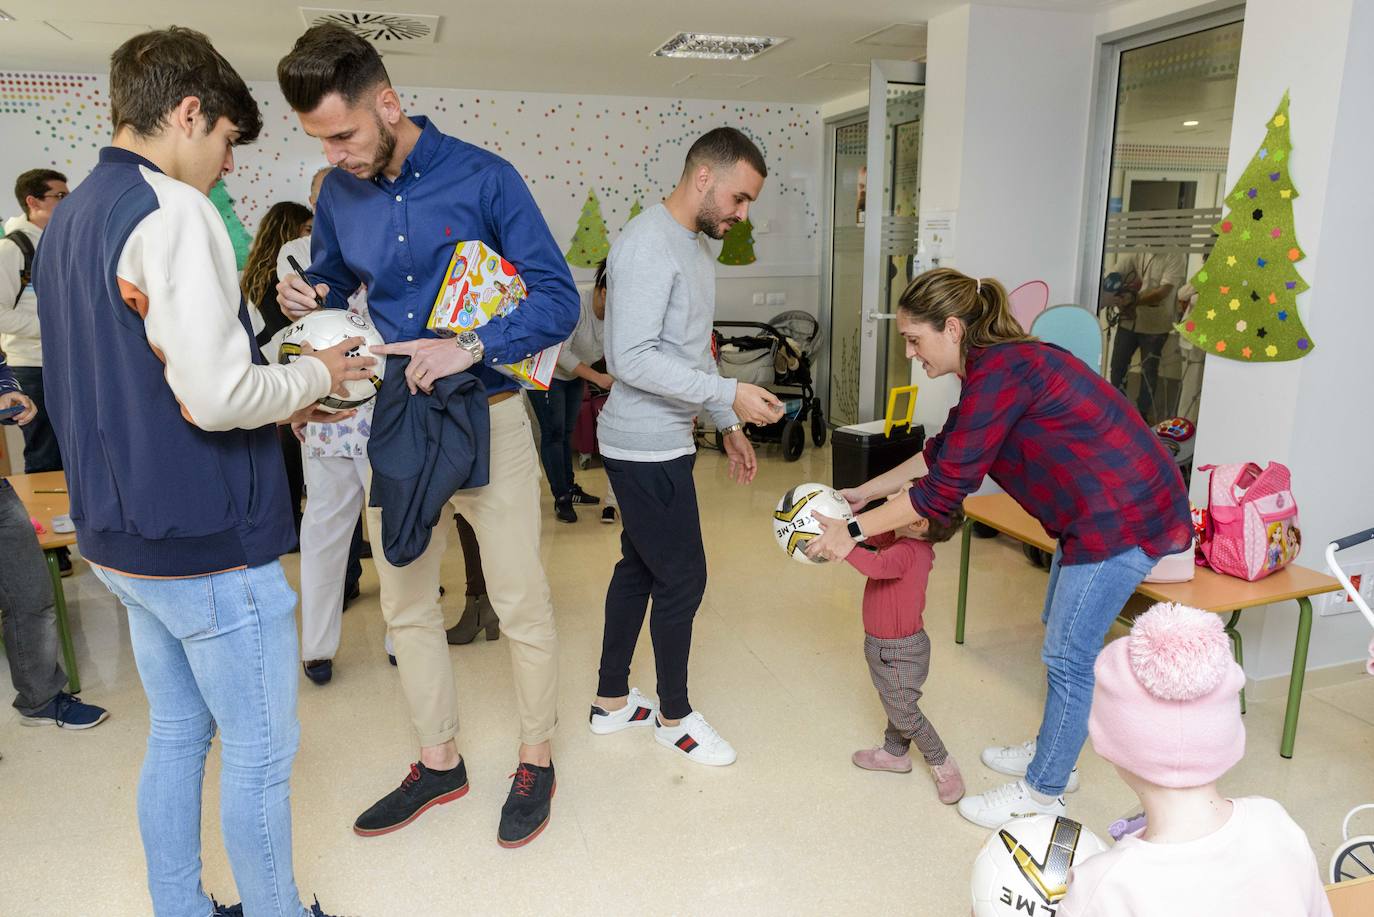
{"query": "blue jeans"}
(557, 410)
(216, 650)
(1082, 602)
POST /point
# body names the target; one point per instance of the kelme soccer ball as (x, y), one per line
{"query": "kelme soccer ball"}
(793, 522)
(326, 327)
(1023, 869)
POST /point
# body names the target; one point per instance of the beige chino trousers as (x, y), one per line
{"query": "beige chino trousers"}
(505, 514)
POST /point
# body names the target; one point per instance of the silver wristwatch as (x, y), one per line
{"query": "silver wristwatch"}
(469, 341)
(734, 427)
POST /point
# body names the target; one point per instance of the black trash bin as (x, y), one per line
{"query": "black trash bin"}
(862, 451)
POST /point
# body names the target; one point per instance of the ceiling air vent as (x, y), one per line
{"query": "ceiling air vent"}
(386, 29)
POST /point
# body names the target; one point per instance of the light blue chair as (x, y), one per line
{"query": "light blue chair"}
(1075, 329)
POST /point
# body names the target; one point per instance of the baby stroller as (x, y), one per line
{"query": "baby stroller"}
(1354, 858)
(777, 357)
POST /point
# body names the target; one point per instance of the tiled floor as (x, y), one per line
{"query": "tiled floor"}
(792, 828)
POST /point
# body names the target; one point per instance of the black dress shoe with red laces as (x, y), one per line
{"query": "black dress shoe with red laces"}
(528, 806)
(421, 790)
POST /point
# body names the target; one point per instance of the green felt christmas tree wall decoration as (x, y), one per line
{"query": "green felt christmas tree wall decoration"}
(589, 242)
(1246, 307)
(635, 210)
(219, 196)
(738, 245)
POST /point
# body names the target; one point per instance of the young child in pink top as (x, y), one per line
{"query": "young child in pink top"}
(898, 650)
(1166, 712)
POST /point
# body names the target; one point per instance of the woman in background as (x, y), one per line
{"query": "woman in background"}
(283, 222)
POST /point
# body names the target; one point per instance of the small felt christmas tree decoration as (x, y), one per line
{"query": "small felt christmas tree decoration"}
(738, 245)
(589, 242)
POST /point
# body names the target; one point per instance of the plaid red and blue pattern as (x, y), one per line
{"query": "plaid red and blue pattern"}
(1065, 445)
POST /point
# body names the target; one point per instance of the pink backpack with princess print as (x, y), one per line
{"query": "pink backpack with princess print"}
(1252, 520)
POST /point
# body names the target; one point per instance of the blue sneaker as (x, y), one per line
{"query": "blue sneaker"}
(66, 711)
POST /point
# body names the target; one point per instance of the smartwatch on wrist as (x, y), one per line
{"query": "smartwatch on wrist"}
(855, 531)
(469, 341)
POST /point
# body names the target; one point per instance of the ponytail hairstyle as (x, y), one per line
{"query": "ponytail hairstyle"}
(980, 304)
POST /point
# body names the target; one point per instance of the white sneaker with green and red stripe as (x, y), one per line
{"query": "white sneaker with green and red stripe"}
(694, 739)
(638, 711)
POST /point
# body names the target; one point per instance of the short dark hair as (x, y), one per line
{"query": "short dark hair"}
(327, 59)
(943, 531)
(600, 281)
(725, 146)
(151, 73)
(34, 183)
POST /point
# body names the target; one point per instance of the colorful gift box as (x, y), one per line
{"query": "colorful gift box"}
(478, 286)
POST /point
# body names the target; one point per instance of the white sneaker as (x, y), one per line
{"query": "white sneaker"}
(693, 738)
(638, 711)
(997, 807)
(1013, 760)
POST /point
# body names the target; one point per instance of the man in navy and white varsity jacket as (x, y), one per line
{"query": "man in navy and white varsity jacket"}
(165, 415)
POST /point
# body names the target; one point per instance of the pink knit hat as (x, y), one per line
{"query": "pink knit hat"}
(1167, 706)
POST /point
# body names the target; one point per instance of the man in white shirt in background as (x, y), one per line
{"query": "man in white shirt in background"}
(1148, 305)
(38, 192)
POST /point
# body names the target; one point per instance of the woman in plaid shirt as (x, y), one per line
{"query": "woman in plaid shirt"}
(1078, 457)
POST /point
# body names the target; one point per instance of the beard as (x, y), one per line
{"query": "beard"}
(709, 218)
(386, 146)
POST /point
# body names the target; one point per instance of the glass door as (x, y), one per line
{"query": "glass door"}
(890, 220)
(849, 156)
(1168, 143)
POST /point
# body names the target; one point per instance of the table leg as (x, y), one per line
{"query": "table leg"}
(1290, 716)
(59, 597)
(963, 582)
(1238, 651)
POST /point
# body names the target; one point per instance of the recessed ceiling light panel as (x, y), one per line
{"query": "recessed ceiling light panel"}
(702, 46)
(1190, 124)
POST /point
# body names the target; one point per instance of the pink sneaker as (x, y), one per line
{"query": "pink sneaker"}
(949, 783)
(878, 759)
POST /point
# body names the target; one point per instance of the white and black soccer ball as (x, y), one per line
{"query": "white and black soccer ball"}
(1023, 869)
(794, 523)
(326, 327)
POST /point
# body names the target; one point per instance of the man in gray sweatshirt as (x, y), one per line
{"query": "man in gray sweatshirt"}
(660, 304)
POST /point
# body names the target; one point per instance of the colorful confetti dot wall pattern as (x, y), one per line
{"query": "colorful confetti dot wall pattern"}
(1246, 307)
(620, 149)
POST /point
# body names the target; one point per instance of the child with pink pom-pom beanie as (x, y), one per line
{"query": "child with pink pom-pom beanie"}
(1166, 712)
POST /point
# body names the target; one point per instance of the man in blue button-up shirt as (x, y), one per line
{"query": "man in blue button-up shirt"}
(403, 195)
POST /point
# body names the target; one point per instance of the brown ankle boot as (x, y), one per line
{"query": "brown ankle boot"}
(478, 615)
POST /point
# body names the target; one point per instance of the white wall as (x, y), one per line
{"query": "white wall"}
(626, 148)
(1007, 101)
(1312, 414)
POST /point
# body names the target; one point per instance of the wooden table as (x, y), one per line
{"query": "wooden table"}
(1209, 591)
(44, 495)
(1354, 898)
